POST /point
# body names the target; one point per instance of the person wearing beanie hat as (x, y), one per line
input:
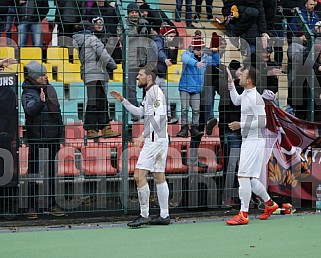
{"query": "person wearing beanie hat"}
(36, 70)
(144, 10)
(208, 120)
(218, 43)
(166, 29)
(100, 29)
(165, 37)
(139, 44)
(107, 29)
(133, 13)
(132, 7)
(44, 129)
(95, 64)
(198, 41)
(191, 82)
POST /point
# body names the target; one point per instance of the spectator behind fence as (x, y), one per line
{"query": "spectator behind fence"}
(30, 16)
(101, 34)
(192, 81)
(94, 60)
(211, 80)
(153, 155)
(8, 117)
(247, 22)
(268, 71)
(68, 14)
(310, 18)
(198, 10)
(207, 120)
(4, 7)
(303, 71)
(11, 17)
(142, 50)
(188, 12)
(111, 19)
(157, 17)
(165, 37)
(44, 132)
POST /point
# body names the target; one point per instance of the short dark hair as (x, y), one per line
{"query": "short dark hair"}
(149, 71)
(252, 74)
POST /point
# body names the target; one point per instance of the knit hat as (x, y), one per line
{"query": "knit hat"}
(197, 41)
(145, 7)
(165, 29)
(35, 70)
(132, 7)
(217, 40)
(98, 19)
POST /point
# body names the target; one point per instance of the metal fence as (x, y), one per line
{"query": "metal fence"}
(79, 174)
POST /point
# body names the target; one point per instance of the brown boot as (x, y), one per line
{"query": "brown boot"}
(107, 132)
(92, 134)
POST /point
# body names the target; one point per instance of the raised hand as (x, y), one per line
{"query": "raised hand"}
(200, 64)
(7, 62)
(139, 141)
(42, 95)
(116, 95)
(229, 75)
(168, 62)
(234, 125)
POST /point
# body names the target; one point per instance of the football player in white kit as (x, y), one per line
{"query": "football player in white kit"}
(152, 157)
(253, 119)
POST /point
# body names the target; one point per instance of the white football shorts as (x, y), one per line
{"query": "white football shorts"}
(153, 156)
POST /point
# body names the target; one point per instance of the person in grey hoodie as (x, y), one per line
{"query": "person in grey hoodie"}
(94, 60)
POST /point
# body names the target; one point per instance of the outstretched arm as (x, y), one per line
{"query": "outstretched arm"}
(7, 62)
(137, 111)
(235, 97)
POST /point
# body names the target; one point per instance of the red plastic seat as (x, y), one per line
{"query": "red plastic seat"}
(184, 39)
(67, 162)
(174, 161)
(74, 135)
(133, 154)
(208, 156)
(137, 129)
(97, 161)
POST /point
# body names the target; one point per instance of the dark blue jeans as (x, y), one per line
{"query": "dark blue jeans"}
(35, 29)
(188, 9)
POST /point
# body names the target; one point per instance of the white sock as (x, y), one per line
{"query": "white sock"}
(245, 193)
(143, 197)
(163, 194)
(259, 189)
